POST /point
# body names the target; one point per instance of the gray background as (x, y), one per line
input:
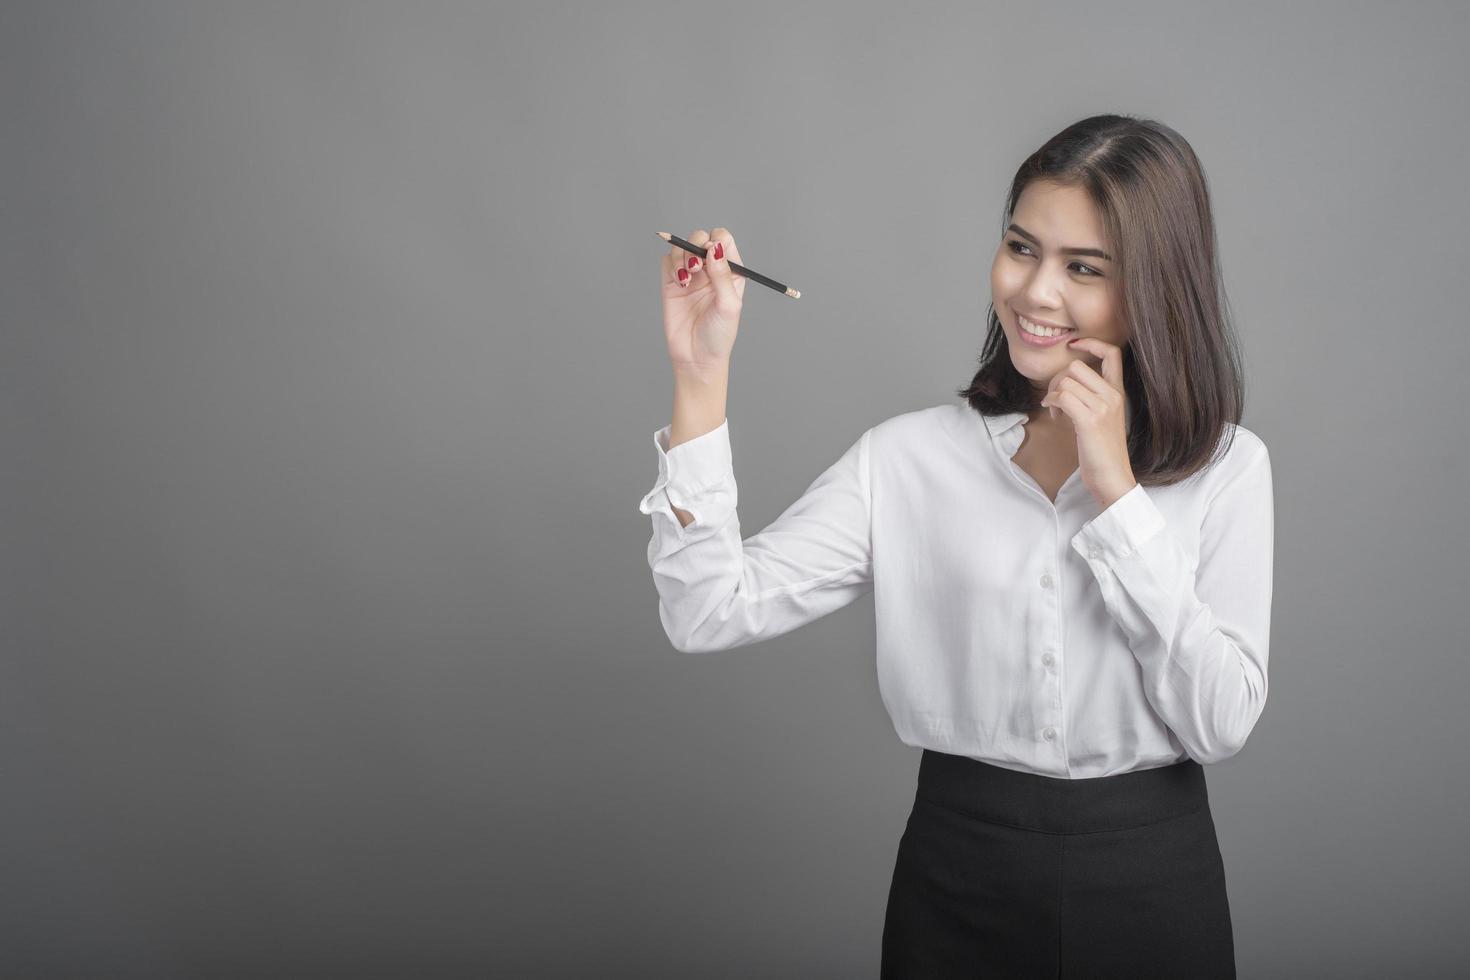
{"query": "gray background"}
(331, 360)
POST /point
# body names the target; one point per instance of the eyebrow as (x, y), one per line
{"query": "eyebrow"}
(1066, 251)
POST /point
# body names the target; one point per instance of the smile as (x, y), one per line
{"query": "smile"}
(1038, 330)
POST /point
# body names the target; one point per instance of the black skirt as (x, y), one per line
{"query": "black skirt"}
(1003, 873)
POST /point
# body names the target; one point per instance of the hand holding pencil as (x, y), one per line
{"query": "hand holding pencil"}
(702, 301)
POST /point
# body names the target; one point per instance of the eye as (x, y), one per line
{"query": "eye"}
(1018, 247)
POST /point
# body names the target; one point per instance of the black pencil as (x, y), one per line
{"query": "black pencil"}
(736, 267)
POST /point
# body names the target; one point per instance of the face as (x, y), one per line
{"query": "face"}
(1036, 275)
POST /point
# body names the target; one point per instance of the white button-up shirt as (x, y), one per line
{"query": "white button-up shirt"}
(1050, 638)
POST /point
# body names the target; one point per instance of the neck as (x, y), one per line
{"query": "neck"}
(1041, 418)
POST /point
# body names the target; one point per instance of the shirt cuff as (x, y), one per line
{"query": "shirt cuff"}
(690, 467)
(1121, 530)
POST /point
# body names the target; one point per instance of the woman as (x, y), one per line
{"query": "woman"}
(1071, 571)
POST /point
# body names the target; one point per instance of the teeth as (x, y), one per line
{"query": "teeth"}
(1032, 328)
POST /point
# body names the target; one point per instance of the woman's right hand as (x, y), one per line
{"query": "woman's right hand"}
(702, 312)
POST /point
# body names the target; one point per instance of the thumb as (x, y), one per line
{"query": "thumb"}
(717, 266)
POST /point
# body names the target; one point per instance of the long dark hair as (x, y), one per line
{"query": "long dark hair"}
(1182, 365)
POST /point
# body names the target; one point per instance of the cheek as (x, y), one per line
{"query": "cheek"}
(1003, 282)
(1102, 320)
(1110, 313)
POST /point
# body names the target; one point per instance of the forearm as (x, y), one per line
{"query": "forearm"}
(699, 408)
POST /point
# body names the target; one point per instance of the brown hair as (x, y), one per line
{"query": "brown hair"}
(1181, 365)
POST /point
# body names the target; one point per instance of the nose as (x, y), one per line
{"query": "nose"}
(1041, 291)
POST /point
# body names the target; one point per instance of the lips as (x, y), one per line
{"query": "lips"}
(1034, 341)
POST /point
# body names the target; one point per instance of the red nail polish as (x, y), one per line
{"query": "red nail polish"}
(693, 261)
(683, 276)
(719, 250)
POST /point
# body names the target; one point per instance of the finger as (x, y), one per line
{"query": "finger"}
(1060, 402)
(1051, 386)
(1110, 354)
(1091, 401)
(678, 258)
(1049, 401)
(696, 237)
(680, 254)
(1087, 376)
(732, 254)
(692, 261)
(689, 261)
(717, 266)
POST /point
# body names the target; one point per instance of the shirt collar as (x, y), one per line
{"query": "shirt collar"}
(996, 424)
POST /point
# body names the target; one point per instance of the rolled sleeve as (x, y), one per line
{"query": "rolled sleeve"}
(696, 476)
(717, 590)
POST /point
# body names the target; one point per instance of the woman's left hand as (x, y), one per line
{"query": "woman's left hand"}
(1098, 408)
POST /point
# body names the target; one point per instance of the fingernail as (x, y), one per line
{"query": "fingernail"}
(694, 262)
(683, 277)
(719, 250)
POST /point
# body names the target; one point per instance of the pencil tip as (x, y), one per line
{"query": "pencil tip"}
(793, 293)
(663, 234)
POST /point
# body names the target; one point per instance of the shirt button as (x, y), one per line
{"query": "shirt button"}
(1050, 734)
(1045, 580)
(1048, 659)
(1096, 552)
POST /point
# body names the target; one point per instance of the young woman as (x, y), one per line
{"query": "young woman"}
(1071, 568)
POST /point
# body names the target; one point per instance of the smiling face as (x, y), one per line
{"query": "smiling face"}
(1049, 268)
